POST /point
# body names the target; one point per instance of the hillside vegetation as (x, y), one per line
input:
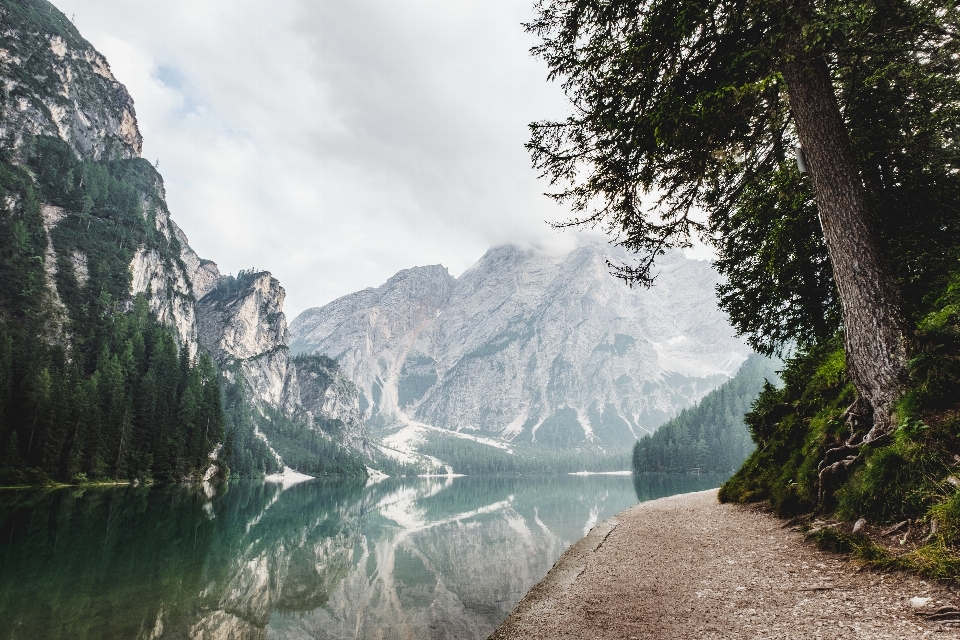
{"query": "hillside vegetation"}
(710, 437)
(102, 374)
(806, 425)
(88, 388)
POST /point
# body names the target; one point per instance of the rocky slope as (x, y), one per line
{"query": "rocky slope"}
(242, 324)
(530, 348)
(80, 101)
(54, 84)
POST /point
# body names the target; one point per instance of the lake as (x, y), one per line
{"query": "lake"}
(403, 558)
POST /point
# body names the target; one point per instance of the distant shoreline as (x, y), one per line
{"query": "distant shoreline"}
(600, 473)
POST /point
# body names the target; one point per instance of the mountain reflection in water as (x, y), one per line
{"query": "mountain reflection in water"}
(411, 558)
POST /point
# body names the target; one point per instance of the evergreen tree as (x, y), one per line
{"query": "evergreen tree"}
(707, 437)
(702, 103)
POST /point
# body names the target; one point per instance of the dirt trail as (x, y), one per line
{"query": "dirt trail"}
(689, 567)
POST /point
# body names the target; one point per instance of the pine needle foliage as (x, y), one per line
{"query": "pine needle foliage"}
(680, 110)
(92, 387)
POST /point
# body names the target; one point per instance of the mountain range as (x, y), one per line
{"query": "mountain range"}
(528, 348)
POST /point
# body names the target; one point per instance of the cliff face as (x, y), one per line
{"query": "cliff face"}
(168, 284)
(372, 332)
(531, 348)
(54, 84)
(330, 401)
(242, 324)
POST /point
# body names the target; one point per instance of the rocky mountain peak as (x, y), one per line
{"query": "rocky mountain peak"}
(242, 317)
(532, 347)
(64, 88)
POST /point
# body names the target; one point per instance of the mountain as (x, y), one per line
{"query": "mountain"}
(242, 324)
(528, 348)
(123, 354)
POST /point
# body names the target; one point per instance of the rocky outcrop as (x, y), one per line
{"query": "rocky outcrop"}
(242, 318)
(54, 83)
(371, 333)
(63, 88)
(203, 275)
(168, 292)
(242, 324)
(57, 318)
(331, 401)
(532, 348)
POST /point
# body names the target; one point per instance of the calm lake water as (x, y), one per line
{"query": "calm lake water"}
(414, 558)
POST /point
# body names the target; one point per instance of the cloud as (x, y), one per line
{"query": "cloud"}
(334, 142)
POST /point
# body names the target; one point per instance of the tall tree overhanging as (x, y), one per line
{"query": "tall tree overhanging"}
(682, 105)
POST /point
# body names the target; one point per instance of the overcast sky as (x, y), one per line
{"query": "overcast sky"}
(335, 142)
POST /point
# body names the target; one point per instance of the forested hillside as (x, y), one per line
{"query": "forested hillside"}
(710, 437)
(103, 375)
(90, 387)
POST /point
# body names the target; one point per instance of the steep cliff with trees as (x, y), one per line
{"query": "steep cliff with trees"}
(111, 366)
(92, 384)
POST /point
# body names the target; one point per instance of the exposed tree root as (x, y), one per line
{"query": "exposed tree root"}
(943, 613)
(841, 457)
(934, 527)
(895, 528)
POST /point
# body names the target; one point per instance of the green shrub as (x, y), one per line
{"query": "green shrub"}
(901, 477)
(793, 426)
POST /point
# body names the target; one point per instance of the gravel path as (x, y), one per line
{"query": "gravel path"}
(689, 567)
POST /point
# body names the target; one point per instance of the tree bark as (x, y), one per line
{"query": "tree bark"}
(874, 327)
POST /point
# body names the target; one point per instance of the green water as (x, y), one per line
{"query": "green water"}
(421, 558)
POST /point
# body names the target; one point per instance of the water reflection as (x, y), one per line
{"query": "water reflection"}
(419, 558)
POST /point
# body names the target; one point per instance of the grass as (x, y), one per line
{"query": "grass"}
(935, 559)
(914, 475)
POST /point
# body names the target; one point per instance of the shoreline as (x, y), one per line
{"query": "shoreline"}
(687, 566)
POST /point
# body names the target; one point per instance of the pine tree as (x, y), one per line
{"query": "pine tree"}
(700, 104)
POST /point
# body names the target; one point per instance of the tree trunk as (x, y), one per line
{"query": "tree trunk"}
(124, 427)
(874, 328)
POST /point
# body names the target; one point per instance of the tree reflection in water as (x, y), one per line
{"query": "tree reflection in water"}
(422, 557)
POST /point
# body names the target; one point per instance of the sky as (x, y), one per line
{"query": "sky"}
(335, 142)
